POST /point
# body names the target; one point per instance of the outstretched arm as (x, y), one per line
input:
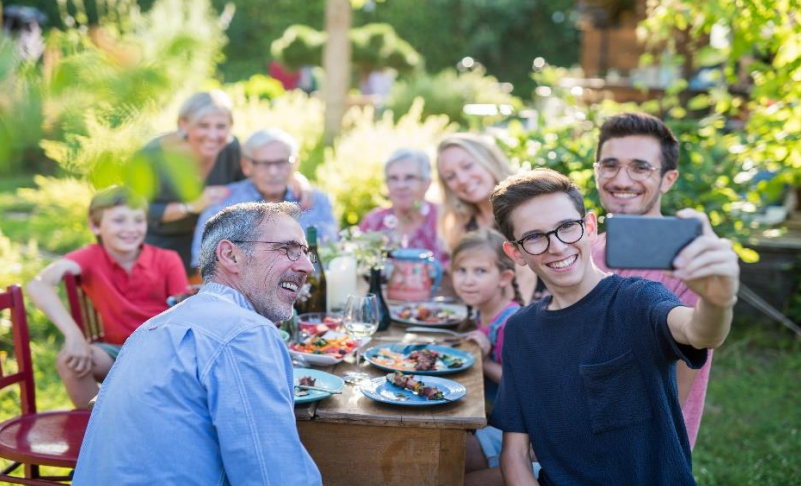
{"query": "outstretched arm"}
(709, 267)
(42, 291)
(516, 460)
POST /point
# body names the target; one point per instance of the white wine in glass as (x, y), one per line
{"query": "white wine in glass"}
(360, 320)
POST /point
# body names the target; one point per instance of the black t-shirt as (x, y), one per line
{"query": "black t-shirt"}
(594, 387)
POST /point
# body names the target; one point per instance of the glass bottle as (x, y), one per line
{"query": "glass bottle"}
(312, 295)
(383, 310)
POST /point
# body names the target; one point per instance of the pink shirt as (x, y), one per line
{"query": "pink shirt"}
(693, 408)
(425, 236)
(126, 300)
(497, 325)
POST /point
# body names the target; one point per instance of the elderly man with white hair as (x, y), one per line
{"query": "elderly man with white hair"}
(269, 159)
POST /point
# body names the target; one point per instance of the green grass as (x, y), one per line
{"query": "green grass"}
(751, 430)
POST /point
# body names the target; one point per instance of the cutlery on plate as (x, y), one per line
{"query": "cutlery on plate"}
(436, 330)
(317, 388)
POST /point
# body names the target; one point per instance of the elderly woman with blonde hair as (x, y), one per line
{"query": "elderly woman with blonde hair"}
(411, 221)
(200, 153)
(469, 167)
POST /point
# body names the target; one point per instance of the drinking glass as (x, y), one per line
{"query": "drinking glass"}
(360, 320)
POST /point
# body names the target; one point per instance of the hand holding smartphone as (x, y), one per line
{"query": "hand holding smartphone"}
(642, 242)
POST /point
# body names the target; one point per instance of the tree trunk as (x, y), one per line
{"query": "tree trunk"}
(336, 63)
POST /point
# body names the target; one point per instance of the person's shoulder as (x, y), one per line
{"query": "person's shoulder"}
(87, 254)
(641, 291)
(523, 315)
(160, 255)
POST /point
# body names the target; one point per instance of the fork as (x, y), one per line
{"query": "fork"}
(460, 335)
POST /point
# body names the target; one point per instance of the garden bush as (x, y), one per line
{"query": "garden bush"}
(447, 92)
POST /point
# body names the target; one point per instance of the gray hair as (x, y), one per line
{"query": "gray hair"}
(238, 223)
(201, 104)
(266, 136)
(418, 156)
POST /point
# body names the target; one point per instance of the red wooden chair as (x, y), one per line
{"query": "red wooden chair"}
(34, 439)
(82, 310)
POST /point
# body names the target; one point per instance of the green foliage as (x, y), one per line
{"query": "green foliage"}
(64, 201)
(503, 35)
(448, 92)
(374, 47)
(353, 169)
(377, 46)
(299, 46)
(763, 58)
(97, 84)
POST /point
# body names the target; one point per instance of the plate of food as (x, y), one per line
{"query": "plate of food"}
(312, 385)
(324, 349)
(433, 314)
(413, 390)
(314, 322)
(422, 359)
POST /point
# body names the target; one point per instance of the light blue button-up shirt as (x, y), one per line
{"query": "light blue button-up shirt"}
(320, 215)
(201, 394)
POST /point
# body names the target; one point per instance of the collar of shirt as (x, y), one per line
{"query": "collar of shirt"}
(227, 293)
(255, 195)
(142, 259)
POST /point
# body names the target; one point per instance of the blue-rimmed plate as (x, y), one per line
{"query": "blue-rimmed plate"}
(380, 390)
(399, 357)
(322, 379)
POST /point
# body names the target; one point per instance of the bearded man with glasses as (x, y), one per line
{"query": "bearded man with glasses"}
(269, 161)
(589, 372)
(648, 152)
(203, 393)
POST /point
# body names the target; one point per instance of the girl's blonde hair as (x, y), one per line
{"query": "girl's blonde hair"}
(456, 213)
(203, 103)
(491, 240)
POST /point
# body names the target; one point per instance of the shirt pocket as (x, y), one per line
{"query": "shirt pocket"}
(616, 393)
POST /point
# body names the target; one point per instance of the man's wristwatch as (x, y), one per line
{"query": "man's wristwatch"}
(186, 208)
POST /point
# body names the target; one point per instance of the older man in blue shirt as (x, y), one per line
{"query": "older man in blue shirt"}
(203, 393)
(269, 158)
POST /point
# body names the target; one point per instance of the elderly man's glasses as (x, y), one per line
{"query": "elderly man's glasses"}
(538, 243)
(637, 171)
(282, 164)
(293, 249)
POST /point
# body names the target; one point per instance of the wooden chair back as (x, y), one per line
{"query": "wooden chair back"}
(12, 299)
(82, 310)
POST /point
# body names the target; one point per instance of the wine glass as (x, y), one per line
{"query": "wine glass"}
(360, 320)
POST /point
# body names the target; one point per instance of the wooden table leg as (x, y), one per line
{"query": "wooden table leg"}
(350, 454)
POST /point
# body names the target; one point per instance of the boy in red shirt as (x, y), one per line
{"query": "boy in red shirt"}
(127, 281)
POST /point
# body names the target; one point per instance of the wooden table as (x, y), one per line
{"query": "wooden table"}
(357, 441)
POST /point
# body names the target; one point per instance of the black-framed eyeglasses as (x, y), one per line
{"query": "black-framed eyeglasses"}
(293, 249)
(266, 164)
(637, 171)
(538, 243)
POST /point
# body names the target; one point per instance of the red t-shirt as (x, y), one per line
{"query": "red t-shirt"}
(124, 301)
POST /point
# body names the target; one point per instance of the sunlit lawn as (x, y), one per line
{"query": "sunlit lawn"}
(750, 434)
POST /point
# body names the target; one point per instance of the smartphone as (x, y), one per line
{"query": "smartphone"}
(641, 242)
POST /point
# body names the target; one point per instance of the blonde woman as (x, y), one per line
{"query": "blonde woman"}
(204, 137)
(469, 168)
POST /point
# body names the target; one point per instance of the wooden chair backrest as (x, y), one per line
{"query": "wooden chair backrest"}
(12, 299)
(82, 310)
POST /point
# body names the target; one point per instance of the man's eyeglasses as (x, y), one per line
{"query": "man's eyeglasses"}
(282, 164)
(637, 171)
(293, 249)
(538, 243)
(408, 179)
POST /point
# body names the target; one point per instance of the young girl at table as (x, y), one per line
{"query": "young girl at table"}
(484, 278)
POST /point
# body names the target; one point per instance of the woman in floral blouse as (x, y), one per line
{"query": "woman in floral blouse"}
(411, 221)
